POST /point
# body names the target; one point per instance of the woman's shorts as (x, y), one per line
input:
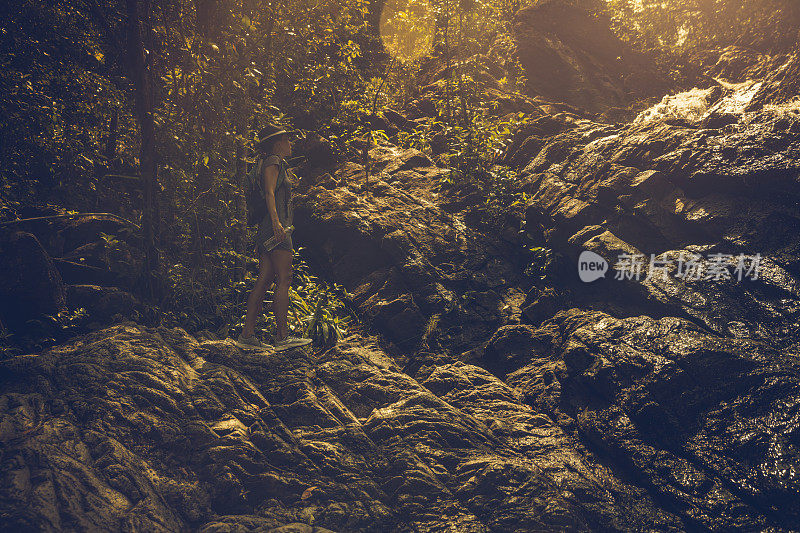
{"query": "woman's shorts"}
(264, 233)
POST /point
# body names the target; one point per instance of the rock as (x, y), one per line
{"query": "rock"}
(399, 120)
(510, 348)
(570, 55)
(149, 429)
(80, 273)
(697, 185)
(97, 263)
(404, 252)
(320, 154)
(439, 143)
(660, 396)
(80, 253)
(378, 122)
(737, 64)
(390, 158)
(61, 235)
(102, 303)
(540, 305)
(30, 285)
(423, 107)
(299, 527)
(88, 229)
(780, 86)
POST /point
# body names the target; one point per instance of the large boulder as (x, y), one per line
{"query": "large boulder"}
(102, 303)
(738, 64)
(61, 235)
(136, 429)
(319, 153)
(81, 253)
(569, 54)
(30, 285)
(402, 249)
(510, 348)
(707, 171)
(698, 418)
(780, 87)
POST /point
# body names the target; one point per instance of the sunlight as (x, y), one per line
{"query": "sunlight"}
(693, 105)
(407, 28)
(690, 105)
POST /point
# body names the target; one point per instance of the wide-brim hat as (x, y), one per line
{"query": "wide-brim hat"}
(270, 132)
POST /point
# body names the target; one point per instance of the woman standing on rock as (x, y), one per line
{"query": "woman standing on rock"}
(275, 261)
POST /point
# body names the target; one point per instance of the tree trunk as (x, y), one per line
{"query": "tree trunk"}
(240, 240)
(113, 134)
(207, 19)
(147, 157)
(206, 13)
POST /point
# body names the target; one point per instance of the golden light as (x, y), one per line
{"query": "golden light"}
(407, 28)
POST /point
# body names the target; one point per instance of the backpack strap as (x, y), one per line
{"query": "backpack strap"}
(256, 173)
(281, 162)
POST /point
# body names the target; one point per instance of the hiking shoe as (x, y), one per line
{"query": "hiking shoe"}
(291, 342)
(251, 343)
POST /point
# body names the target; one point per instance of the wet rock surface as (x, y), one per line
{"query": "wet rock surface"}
(137, 429)
(674, 184)
(704, 421)
(570, 55)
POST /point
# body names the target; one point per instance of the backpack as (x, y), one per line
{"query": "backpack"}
(255, 194)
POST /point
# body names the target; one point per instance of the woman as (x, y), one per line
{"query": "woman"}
(273, 147)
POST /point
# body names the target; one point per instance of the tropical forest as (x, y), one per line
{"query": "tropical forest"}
(413, 266)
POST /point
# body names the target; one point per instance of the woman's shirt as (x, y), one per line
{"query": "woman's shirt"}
(283, 193)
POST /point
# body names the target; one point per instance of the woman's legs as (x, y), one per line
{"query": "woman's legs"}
(266, 273)
(282, 264)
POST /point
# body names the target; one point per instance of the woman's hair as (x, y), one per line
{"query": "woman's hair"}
(269, 144)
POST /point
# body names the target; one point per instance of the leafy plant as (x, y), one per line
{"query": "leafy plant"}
(544, 263)
(321, 307)
(502, 193)
(323, 325)
(418, 138)
(220, 306)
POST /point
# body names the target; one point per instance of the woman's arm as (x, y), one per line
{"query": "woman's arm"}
(270, 181)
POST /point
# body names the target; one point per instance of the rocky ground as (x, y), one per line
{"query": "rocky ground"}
(486, 400)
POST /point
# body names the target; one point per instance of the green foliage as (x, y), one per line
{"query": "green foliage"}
(43, 332)
(321, 306)
(119, 256)
(542, 264)
(502, 192)
(418, 138)
(471, 157)
(220, 306)
(676, 33)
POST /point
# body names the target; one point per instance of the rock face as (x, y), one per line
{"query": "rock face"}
(703, 172)
(155, 430)
(415, 270)
(140, 430)
(570, 55)
(30, 285)
(102, 303)
(79, 251)
(703, 421)
(54, 264)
